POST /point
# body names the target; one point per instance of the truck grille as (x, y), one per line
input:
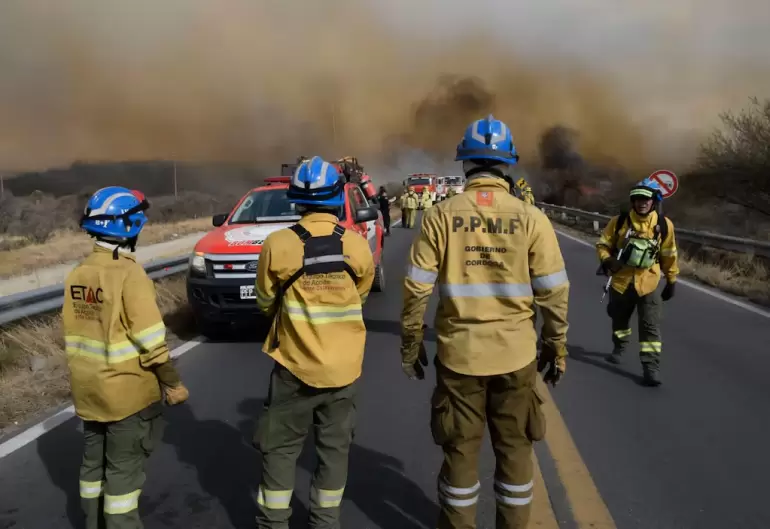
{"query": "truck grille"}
(232, 266)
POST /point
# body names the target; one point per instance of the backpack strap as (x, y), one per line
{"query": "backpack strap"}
(622, 218)
(339, 231)
(662, 227)
(301, 232)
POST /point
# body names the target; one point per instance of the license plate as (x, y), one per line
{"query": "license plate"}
(247, 292)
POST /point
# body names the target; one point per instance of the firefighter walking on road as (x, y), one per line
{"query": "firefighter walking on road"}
(313, 278)
(118, 359)
(492, 256)
(526, 191)
(425, 201)
(409, 204)
(633, 249)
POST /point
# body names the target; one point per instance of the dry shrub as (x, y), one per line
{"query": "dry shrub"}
(38, 217)
(741, 275)
(65, 247)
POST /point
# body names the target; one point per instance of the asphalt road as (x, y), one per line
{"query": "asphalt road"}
(691, 454)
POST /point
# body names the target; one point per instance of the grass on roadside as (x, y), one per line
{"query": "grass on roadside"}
(33, 366)
(738, 274)
(68, 246)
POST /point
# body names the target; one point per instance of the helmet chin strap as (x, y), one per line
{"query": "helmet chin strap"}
(474, 167)
(127, 243)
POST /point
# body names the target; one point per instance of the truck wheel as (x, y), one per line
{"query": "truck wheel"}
(379, 277)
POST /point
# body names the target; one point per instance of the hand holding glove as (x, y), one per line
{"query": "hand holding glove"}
(176, 394)
(554, 365)
(668, 291)
(611, 265)
(414, 356)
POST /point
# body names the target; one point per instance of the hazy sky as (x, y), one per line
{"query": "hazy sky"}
(258, 79)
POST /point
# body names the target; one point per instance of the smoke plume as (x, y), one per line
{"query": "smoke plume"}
(264, 81)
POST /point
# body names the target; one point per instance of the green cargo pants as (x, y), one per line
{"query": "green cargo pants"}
(291, 409)
(649, 309)
(461, 408)
(112, 472)
(409, 215)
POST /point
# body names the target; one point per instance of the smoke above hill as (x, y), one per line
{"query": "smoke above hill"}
(262, 82)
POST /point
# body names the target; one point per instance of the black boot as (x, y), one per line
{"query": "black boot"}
(613, 358)
(651, 377)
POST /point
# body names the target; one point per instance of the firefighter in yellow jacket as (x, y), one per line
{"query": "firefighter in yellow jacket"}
(492, 256)
(425, 200)
(409, 204)
(313, 278)
(632, 249)
(118, 359)
(526, 191)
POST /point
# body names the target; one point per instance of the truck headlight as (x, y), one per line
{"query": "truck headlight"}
(198, 264)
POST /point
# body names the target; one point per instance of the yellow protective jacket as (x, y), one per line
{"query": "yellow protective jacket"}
(526, 191)
(492, 254)
(114, 336)
(411, 201)
(321, 329)
(425, 200)
(645, 280)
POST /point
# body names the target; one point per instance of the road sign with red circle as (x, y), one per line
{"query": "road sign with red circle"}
(667, 181)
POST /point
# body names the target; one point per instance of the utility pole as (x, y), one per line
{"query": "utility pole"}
(176, 189)
(2, 186)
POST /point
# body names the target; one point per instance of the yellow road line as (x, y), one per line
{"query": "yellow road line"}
(588, 507)
(542, 515)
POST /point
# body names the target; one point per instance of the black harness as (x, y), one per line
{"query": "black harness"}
(322, 255)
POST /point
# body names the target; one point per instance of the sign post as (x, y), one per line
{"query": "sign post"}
(667, 180)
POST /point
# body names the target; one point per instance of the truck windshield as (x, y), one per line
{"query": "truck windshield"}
(265, 206)
(419, 181)
(453, 180)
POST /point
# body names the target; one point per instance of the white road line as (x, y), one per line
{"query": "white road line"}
(700, 288)
(48, 424)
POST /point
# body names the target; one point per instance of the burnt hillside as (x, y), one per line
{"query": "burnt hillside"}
(154, 178)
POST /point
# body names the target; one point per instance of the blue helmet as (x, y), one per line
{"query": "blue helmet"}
(316, 182)
(115, 213)
(647, 188)
(487, 139)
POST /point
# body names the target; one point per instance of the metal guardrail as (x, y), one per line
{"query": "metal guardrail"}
(715, 240)
(42, 300)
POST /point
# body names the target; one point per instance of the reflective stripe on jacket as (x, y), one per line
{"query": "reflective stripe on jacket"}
(645, 280)
(491, 255)
(321, 331)
(114, 336)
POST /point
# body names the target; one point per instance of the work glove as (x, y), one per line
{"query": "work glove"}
(554, 365)
(611, 265)
(668, 291)
(175, 394)
(414, 356)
